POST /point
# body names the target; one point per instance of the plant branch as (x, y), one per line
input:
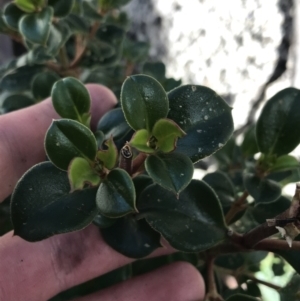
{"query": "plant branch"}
(271, 285)
(237, 206)
(125, 161)
(272, 245)
(138, 162)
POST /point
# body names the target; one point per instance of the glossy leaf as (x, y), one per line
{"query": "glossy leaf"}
(144, 102)
(249, 145)
(12, 15)
(140, 141)
(172, 171)
(109, 156)
(156, 70)
(42, 84)
(71, 100)
(285, 162)
(116, 194)
(204, 116)
(132, 238)
(61, 8)
(16, 102)
(292, 290)
(67, 139)
(42, 198)
(241, 297)
(191, 223)
(277, 126)
(80, 172)
(261, 189)
(167, 132)
(141, 182)
(36, 27)
(102, 221)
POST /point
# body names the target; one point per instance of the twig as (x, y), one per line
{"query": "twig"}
(276, 244)
(271, 285)
(236, 207)
(125, 161)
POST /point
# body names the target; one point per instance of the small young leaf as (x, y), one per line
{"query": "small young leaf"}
(29, 6)
(61, 8)
(167, 132)
(116, 194)
(132, 238)
(12, 15)
(80, 173)
(67, 139)
(262, 190)
(108, 157)
(36, 27)
(277, 126)
(285, 162)
(42, 84)
(192, 223)
(42, 205)
(144, 101)
(172, 171)
(140, 141)
(204, 116)
(71, 100)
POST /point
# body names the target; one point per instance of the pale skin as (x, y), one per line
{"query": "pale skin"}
(39, 271)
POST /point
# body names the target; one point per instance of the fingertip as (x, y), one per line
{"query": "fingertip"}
(102, 100)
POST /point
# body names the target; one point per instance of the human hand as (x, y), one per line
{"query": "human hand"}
(39, 271)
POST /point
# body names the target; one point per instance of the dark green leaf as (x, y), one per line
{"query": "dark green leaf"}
(249, 146)
(141, 182)
(277, 126)
(12, 15)
(285, 162)
(90, 12)
(172, 171)
(5, 216)
(116, 194)
(19, 79)
(144, 102)
(230, 261)
(42, 84)
(67, 139)
(61, 8)
(36, 27)
(76, 24)
(110, 4)
(240, 297)
(156, 70)
(16, 102)
(132, 238)
(42, 205)
(292, 290)
(71, 100)
(204, 116)
(135, 51)
(102, 221)
(261, 189)
(191, 223)
(80, 173)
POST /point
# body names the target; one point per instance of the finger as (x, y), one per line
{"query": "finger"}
(41, 270)
(22, 135)
(179, 281)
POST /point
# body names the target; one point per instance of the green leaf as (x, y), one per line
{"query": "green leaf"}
(76, 23)
(277, 126)
(141, 182)
(191, 223)
(144, 102)
(116, 194)
(12, 15)
(166, 132)
(42, 84)
(261, 189)
(29, 6)
(42, 205)
(140, 141)
(172, 171)
(71, 100)
(292, 290)
(109, 156)
(90, 12)
(36, 27)
(156, 70)
(19, 79)
(102, 221)
(132, 238)
(61, 8)
(240, 297)
(110, 4)
(67, 139)
(249, 146)
(285, 162)
(16, 102)
(230, 261)
(80, 172)
(204, 116)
